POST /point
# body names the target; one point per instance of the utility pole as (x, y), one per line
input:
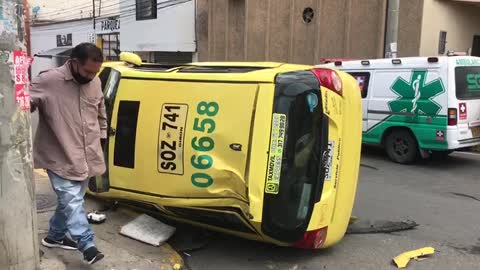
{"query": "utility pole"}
(94, 20)
(391, 35)
(18, 221)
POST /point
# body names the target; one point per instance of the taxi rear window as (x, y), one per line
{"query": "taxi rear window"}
(467, 82)
(288, 209)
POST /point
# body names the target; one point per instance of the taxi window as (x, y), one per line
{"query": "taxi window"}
(467, 82)
(124, 154)
(219, 69)
(110, 79)
(363, 79)
(104, 76)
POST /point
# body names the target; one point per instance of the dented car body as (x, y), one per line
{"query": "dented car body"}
(265, 151)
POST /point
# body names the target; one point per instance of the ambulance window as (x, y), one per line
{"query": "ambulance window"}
(363, 79)
(467, 82)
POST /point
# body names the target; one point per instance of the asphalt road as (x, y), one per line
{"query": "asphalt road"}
(443, 196)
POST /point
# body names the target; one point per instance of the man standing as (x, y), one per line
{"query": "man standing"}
(72, 121)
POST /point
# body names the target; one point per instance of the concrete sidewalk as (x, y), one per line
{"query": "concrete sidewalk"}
(121, 253)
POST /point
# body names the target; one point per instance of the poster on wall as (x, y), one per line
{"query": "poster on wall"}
(21, 63)
(64, 40)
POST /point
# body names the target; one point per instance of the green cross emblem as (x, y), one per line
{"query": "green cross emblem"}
(417, 95)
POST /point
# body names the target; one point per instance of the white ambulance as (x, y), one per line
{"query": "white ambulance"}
(418, 106)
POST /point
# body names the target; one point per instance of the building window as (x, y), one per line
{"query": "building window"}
(146, 9)
(442, 42)
(308, 15)
(110, 44)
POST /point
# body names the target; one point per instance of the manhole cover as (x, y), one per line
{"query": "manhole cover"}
(45, 201)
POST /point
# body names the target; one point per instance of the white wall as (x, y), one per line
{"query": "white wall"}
(172, 31)
(461, 20)
(44, 38)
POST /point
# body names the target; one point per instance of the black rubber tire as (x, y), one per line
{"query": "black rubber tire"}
(401, 146)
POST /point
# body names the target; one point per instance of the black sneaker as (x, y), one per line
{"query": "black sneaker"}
(66, 243)
(92, 255)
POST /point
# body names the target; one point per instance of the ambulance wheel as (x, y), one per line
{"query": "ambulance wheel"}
(401, 146)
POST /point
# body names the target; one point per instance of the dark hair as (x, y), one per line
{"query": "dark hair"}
(84, 51)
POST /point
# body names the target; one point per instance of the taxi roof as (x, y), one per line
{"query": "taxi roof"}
(242, 72)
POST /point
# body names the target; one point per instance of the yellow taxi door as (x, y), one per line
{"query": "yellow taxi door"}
(181, 139)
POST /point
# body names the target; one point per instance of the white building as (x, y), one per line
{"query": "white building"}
(159, 30)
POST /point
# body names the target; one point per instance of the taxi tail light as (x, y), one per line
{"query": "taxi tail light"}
(452, 117)
(313, 239)
(330, 79)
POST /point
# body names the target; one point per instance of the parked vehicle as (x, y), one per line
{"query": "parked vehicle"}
(420, 105)
(265, 151)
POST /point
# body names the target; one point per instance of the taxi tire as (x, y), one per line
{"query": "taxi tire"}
(401, 146)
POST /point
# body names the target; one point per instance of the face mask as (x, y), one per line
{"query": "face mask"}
(78, 77)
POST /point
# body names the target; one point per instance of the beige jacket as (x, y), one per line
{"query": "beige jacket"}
(72, 120)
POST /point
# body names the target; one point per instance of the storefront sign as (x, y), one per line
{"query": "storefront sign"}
(110, 25)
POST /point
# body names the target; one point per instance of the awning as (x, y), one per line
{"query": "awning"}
(62, 52)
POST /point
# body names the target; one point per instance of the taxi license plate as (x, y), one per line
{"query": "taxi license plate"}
(476, 132)
(171, 138)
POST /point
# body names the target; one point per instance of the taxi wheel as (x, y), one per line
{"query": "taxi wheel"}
(401, 146)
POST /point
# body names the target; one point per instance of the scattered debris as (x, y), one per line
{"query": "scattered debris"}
(189, 238)
(380, 226)
(465, 196)
(148, 230)
(95, 217)
(368, 166)
(295, 267)
(270, 265)
(352, 220)
(402, 260)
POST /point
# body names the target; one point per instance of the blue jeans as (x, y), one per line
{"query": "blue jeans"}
(70, 216)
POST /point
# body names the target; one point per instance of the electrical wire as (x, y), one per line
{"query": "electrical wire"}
(125, 17)
(113, 7)
(85, 5)
(127, 14)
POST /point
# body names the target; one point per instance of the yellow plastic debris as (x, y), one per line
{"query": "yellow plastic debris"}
(402, 260)
(353, 219)
(177, 266)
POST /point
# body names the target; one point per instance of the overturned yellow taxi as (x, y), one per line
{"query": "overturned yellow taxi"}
(265, 151)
